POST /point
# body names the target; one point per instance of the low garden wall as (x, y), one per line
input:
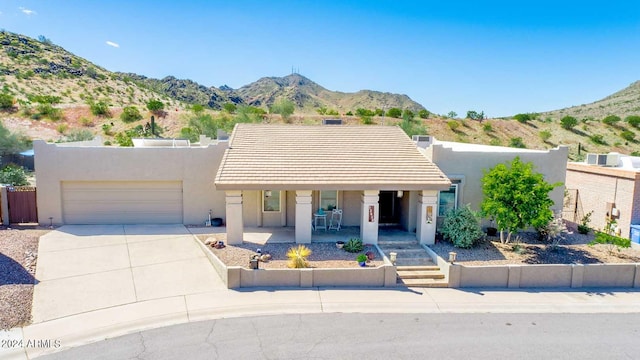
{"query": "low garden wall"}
(545, 276)
(240, 277)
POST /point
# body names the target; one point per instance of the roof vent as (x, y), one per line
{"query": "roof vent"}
(610, 160)
(331, 121)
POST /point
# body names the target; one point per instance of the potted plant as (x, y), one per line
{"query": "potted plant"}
(339, 244)
(362, 260)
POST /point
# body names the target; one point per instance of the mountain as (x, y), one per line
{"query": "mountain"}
(309, 96)
(622, 103)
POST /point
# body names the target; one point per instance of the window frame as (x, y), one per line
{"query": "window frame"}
(456, 192)
(264, 197)
(337, 192)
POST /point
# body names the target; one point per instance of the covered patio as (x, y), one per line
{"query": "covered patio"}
(275, 176)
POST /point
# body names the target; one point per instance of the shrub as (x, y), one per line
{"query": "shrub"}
(394, 113)
(100, 108)
(229, 107)
(474, 115)
(86, 122)
(130, 114)
(354, 245)
(47, 110)
(517, 142)
(366, 120)
(423, 114)
(155, 106)
(106, 129)
(79, 135)
(298, 257)
(284, 108)
(553, 232)
(597, 139)
(522, 118)
(487, 127)
(583, 227)
(453, 125)
(349, 113)
(462, 227)
(13, 175)
(361, 258)
(197, 108)
(408, 114)
(613, 242)
(611, 120)
(628, 135)
(361, 112)
(545, 135)
(633, 120)
(62, 128)
(6, 101)
(568, 122)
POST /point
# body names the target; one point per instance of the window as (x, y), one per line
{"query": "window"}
(448, 200)
(271, 201)
(329, 200)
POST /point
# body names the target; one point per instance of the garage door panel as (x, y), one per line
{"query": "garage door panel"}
(122, 202)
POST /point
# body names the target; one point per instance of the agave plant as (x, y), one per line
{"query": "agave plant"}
(298, 257)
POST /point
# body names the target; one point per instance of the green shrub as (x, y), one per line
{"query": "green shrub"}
(462, 227)
(568, 122)
(522, 118)
(229, 107)
(545, 135)
(486, 127)
(6, 101)
(354, 245)
(79, 135)
(553, 232)
(47, 110)
(394, 113)
(84, 121)
(361, 258)
(100, 108)
(13, 175)
(155, 106)
(62, 128)
(349, 113)
(628, 135)
(106, 129)
(423, 114)
(611, 120)
(633, 120)
(613, 242)
(366, 120)
(453, 125)
(517, 142)
(597, 139)
(583, 227)
(130, 114)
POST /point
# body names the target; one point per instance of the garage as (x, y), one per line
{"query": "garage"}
(122, 202)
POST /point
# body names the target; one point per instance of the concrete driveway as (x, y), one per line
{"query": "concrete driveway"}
(82, 268)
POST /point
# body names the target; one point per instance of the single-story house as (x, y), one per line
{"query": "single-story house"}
(267, 175)
(608, 185)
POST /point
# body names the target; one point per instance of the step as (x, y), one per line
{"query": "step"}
(416, 261)
(432, 267)
(423, 282)
(420, 274)
(397, 242)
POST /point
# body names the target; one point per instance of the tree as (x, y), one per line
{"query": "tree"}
(452, 114)
(284, 108)
(394, 113)
(43, 39)
(516, 197)
(229, 107)
(155, 106)
(13, 175)
(130, 114)
(568, 122)
(474, 115)
(408, 115)
(423, 114)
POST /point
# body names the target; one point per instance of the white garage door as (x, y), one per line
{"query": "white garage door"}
(122, 202)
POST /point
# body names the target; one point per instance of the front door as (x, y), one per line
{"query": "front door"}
(389, 208)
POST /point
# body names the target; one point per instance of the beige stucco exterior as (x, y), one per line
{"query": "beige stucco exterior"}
(194, 167)
(466, 162)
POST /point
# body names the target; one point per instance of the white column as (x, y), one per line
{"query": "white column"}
(5, 206)
(427, 213)
(303, 216)
(235, 227)
(369, 216)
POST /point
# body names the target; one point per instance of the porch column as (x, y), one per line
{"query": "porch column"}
(427, 214)
(303, 216)
(235, 228)
(369, 217)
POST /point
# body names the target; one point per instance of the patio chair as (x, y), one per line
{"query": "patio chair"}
(336, 219)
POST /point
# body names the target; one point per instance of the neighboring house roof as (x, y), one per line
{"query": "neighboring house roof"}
(297, 157)
(466, 147)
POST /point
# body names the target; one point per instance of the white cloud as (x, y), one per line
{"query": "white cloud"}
(26, 11)
(111, 43)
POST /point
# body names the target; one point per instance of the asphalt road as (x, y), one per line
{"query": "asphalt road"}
(381, 336)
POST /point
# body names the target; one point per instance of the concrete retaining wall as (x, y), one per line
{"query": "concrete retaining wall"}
(545, 276)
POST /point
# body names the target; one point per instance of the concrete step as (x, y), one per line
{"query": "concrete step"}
(393, 243)
(415, 261)
(423, 282)
(409, 254)
(432, 267)
(420, 274)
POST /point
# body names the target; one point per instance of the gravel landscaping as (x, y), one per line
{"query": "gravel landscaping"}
(324, 255)
(573, 250)
(18, 255)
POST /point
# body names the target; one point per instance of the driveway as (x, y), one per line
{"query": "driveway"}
(82, 268)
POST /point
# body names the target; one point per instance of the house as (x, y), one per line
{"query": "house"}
(608, 185)
(267, 175)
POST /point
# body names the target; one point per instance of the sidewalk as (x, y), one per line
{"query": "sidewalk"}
(97, 325)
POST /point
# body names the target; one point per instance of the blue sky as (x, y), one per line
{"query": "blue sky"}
(500, 57)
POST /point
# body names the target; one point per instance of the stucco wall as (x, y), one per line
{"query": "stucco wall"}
(471, 163)
(598, 185)
(195, 167)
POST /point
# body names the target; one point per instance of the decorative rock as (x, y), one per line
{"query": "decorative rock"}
(209, 241)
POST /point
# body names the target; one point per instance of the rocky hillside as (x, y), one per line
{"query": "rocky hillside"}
(309, 96)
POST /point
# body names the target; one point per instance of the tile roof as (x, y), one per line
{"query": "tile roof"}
(337, 157)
